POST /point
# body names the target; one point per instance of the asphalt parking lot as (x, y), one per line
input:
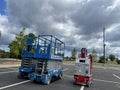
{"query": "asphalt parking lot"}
(103, 79)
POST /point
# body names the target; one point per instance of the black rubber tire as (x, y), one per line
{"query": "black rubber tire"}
(88, 84)
(34, 81)
(74, 83)
(18, 76)
(60, 75)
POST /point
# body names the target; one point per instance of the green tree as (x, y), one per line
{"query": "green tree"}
(16, 45)
(101, 59)
(73, 53)
(7, 55)
(112, 57)
(118, 61)
(4, 54)
(14, 49)
(94, 54)
(31, 35)
(67, 58)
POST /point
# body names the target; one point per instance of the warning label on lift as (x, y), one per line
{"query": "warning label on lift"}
(56, 57)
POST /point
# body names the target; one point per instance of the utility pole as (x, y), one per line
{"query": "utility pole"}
(104, 45)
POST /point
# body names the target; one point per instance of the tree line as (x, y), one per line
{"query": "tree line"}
(100, 59)
(16, 47)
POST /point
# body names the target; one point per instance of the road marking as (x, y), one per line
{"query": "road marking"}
(13, 68)
(14, 84)
(106, 81)
(68, 76)
(82, 88)
(7, 67)
(65, 69)
(116, 76)
(118, 85)
(7, 72)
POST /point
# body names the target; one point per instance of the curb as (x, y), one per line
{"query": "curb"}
(7, 66)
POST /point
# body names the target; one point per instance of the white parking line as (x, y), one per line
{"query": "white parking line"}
(65, 69)
(99, 80)
(7, 72)
(116, 76)
(106, 81)
(82, 88)
(118, 85)
(13, 68)
(14, 84)
(68, 76)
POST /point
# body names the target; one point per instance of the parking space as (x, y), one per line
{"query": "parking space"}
(103, 79)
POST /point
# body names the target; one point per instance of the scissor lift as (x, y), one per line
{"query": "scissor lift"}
(42, 58)
(83, 68)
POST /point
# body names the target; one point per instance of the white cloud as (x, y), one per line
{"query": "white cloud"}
(4, 27)
(79, 23)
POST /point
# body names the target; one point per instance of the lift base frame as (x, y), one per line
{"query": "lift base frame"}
(83, 80)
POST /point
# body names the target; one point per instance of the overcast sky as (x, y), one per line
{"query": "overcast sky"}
(79, 23)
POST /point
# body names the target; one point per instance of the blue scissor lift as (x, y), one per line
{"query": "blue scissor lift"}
(42, 58)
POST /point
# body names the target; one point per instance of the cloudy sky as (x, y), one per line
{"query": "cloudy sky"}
(79, 23)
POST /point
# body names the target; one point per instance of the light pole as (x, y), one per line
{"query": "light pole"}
(104, 45)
